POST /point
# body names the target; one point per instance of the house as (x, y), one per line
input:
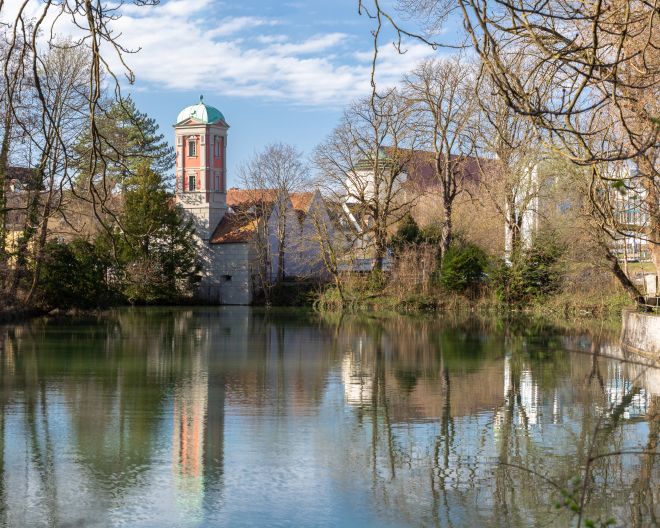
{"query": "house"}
(246, 237)
(409, 177)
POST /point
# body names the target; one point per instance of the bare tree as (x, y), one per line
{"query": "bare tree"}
(65, 70)
(327, 242)
(362, 166)
(270, 177)
(62, 71)
(604, 63)
(606, 71)
(444, 109)
(15, 87)
(30, 37)
(512, 152)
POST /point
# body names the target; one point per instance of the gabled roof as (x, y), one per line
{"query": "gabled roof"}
(246, 197)
(247, 208)
(234, 228)
(302, 200)
(243, 197)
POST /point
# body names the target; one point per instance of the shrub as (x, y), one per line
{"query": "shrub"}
(532, 274)
(376, 280)
(407, 233)
(463, 267)
(74, 276)
(293, 293)
(541, 273)
(431, 234)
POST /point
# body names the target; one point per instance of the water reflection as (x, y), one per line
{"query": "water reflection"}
(232, 416)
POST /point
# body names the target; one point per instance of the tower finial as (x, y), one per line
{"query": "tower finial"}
(201, 98)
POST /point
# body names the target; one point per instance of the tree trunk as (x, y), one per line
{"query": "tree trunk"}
(380, 243)
(513, 227)
(29, 229)
(446, 234)
(41, 244)
(340, 290)
(379, 256)
(280, 263)
(623, 279)
(281, 243)
(4, 165)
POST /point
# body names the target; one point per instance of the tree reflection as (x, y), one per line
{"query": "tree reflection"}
(446, 422)
(541, 398)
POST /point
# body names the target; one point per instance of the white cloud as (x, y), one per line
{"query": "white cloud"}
(233, 25)
(314, 44)
(184, 46)
(271, 39)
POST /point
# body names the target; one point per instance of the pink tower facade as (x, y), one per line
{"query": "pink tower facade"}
(201, 165)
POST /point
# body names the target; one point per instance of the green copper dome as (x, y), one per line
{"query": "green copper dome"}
(201, 112)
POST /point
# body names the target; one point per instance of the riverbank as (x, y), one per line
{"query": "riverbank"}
(640, 333)
(596, 304)
(12, 315)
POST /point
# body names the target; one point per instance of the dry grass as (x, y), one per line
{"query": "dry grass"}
(413, 271)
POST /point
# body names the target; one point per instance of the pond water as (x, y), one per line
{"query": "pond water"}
(190, 417)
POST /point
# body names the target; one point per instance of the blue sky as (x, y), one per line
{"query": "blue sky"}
(278, 70)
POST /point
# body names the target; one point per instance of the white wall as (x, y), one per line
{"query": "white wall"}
(228, 277)
(284, 213)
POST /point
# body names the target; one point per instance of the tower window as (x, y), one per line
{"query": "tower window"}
(192, 148)
(217, 146)
(192, 181)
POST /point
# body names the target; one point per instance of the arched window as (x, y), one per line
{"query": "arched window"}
(192, 147)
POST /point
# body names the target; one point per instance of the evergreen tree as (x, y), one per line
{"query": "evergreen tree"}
(532, 274)
(407, 233)
(157, 250)
(128, 139)
(463, 268)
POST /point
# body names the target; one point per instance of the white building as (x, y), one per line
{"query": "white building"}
(631, 216)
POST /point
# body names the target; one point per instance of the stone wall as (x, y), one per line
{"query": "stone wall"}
(641, 332)
(227, 278)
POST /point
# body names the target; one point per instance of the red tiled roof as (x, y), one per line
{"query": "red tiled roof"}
(239, 197)
(237, 226)
(302, 200)
(234, 228)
